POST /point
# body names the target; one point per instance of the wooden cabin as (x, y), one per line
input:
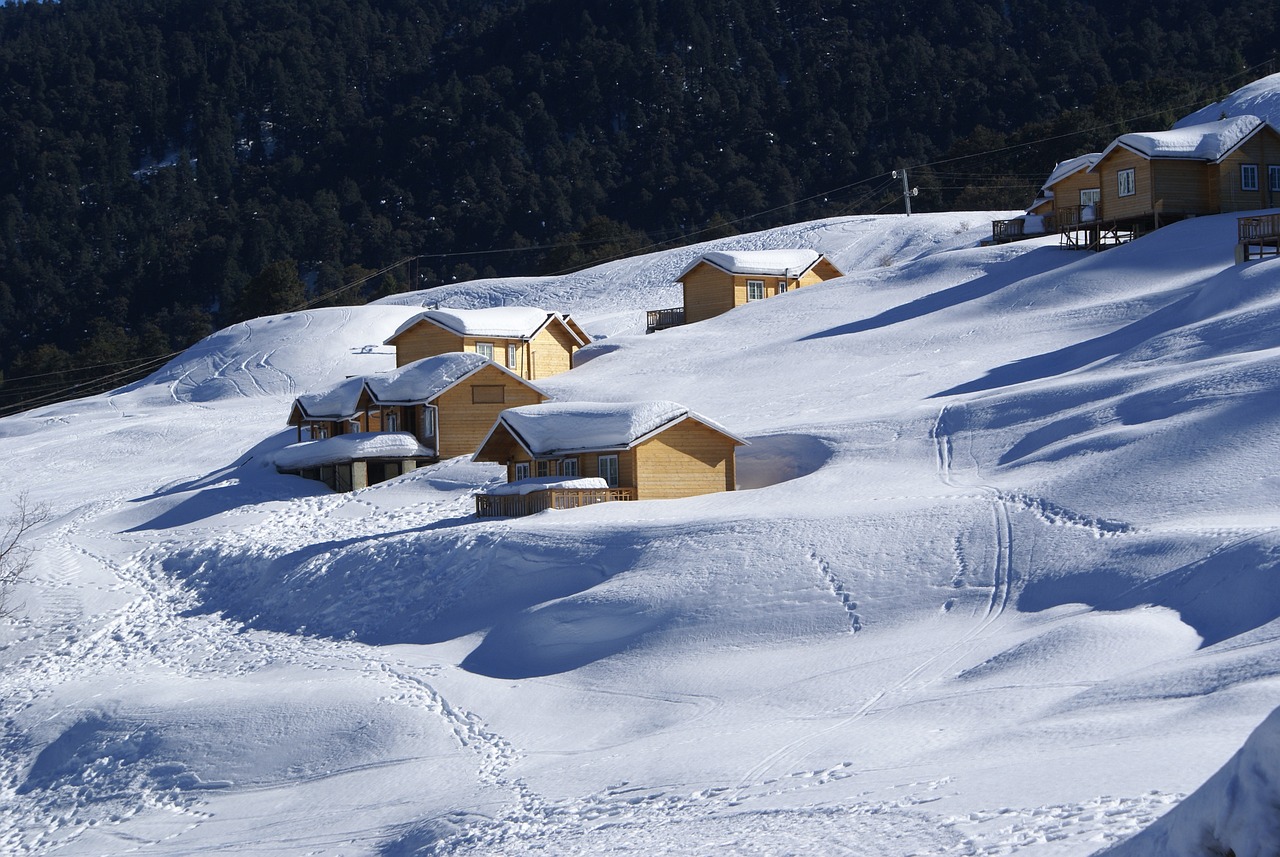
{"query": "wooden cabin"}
(1067, 197)
(717, 282)
(533, 343)
(640, 451)
(378, 426)
(1148, 180)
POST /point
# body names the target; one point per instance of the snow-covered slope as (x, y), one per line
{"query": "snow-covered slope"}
(1003, 577)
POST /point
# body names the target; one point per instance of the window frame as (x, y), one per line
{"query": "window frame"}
(542, 468)
(513, 356)
(569, 467)
(1273, 177)
(485, 349)
(518, 468)
(1090, 196)
(391, 422)
(755, 290)
(1249, 178)
(1132, 175)
(611, 475)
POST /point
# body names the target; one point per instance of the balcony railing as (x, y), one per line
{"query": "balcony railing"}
(1259, 237)
(518, 505)
(661, 319)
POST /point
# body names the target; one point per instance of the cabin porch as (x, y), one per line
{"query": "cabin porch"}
(518, 505)
(1258, 237)
(661, 319)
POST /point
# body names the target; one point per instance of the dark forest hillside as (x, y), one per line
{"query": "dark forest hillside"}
(159, 158)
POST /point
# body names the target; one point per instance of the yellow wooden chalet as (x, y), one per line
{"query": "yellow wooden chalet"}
(567, 454)
(531, 342)
(370, 428)
(1147, 180)
(1068, 196)
(717, 282)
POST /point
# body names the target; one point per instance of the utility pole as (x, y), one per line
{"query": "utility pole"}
(907, 192)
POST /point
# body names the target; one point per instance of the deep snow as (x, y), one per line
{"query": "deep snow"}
(1002, 578)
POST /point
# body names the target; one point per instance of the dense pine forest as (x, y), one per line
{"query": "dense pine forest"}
(171, 166)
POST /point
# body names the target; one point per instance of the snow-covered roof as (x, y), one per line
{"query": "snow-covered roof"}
(339, 402)
(1069, 167)
(563, 427)
(1260, 98)
(770, 263)
(504, 322)
(542, 483)
(1210, 141)
(423, 380)
(350, 447)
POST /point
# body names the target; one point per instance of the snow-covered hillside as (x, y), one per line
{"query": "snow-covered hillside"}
(1002, 578)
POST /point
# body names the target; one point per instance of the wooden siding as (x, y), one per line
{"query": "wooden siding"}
(1066, 193)
(1264, 150)
(708, 292)
(685, 460)
(463, 425)
(1114, 206)
(821, 272)
(425, 339)
(551, 351)
(1180, 188)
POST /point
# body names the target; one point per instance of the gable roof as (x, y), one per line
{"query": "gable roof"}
(514, 322)
(557, 428)
(428, 378)
(414, 383)
(1210, 142)
(339, 402)
(769, 263)
(1070, 167)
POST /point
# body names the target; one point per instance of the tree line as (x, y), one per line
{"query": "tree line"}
(171, 166)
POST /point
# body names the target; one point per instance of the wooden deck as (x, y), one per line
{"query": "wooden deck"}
(1005, 231)
(1259, 237)
(661, 319)
(518, 505)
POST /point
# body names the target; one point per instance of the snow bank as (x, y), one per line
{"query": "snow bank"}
(542, 483)
(350, 447)
(1235, 812)
(1260, 98)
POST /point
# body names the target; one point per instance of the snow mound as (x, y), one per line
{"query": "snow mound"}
(1259, 98)
(1207, 142)
(560, 426)
(423, 379)
(1236, 812)
(349, 447)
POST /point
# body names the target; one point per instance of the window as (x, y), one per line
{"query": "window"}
(1248, 177)
(1089, 196)
(569, 467)
(782, 287)
(607, 469)
(485, 349)
(755, 290)
(1273, 177)
(428, 421)
(522, 470)
(513, 354)
(488, 394)
(393, 421)
(1127, 182)
(544, 468)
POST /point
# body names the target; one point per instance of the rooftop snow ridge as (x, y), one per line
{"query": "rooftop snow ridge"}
(775, 263)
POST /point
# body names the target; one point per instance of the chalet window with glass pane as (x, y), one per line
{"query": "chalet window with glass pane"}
(513, 355)
(1248, 177)
(1127, 182)
(755, 290)
(607, 469)
(522, 470)
(485, 349)
(569, 467)
(1273, 177)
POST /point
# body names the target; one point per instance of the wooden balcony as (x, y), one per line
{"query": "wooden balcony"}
(1259, 237)
(661, 319)
(518, 505)
(1004, 231)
